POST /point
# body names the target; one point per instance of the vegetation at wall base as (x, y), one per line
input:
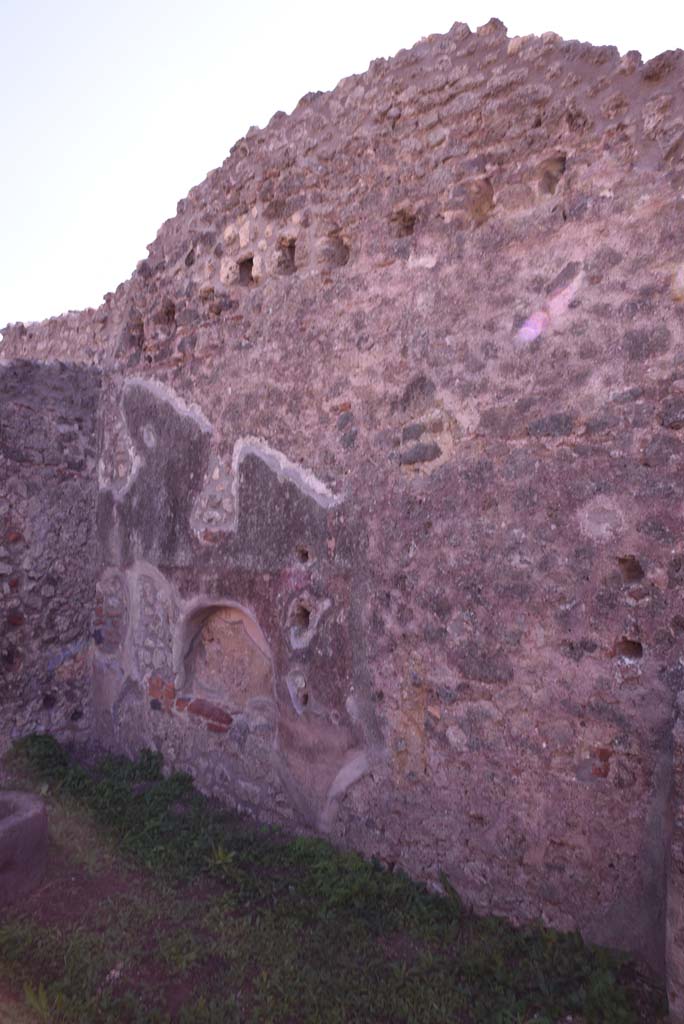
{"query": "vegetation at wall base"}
(160, 906)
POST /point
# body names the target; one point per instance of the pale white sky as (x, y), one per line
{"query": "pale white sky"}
(111, 111)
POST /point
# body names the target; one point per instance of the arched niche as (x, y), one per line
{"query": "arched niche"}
(225, 657)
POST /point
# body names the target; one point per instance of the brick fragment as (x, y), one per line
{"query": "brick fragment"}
(205, 709)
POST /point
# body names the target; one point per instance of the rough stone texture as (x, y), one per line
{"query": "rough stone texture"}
(393, 411)
(227, 627)
(23, 844)
(675, 890)
(48, 493)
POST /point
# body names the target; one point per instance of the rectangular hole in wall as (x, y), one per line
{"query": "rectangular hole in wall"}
(246, 270)
(286, 256)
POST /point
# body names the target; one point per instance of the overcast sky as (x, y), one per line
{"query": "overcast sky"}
(111, 111)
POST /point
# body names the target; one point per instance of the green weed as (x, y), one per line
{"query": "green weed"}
(262, 928)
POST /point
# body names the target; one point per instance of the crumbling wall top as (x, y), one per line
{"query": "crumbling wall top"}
(470, 120)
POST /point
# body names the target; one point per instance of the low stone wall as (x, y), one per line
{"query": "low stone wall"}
(48, 558)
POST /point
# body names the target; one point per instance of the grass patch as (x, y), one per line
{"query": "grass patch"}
(195, 915)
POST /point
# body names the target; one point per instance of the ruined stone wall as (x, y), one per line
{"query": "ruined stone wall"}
(48, 490)
(391, 480)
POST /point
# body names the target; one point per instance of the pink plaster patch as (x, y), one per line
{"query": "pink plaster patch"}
(541, 319)
(533, 327)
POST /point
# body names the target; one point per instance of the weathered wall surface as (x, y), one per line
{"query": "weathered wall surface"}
(391, 480)
(48, 491)
(675, 873)
(227, 622)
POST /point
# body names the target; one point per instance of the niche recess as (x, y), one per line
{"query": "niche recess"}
(286, 256)
(303, 616)
(227, 659)
(550, 173)
(246, 271)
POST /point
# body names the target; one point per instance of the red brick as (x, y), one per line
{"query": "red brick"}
(205, 709)
(155, 686)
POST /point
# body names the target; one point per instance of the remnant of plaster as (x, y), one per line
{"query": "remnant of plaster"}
(284, 468)
(151, 603)
(601, 519)
(304, 615)
(122, 488)
(355, 767)
(296, 685)
(167, 394)
(557, 305)
(217, 505)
